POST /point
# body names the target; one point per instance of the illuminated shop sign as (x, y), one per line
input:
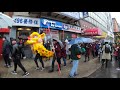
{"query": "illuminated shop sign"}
(45, 23)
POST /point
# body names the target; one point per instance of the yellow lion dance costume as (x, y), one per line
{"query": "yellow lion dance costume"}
(36, 42)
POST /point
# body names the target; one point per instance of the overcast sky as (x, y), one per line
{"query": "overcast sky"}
(116, 15)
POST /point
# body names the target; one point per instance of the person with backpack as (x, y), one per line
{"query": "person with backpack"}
(106, 53)
(16, 55)
(6, 52)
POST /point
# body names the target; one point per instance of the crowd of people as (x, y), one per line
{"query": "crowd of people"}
(14, 51)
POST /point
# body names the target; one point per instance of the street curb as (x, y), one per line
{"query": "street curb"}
(86, 76)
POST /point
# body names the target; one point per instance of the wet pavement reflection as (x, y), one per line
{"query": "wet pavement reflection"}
(109, 72)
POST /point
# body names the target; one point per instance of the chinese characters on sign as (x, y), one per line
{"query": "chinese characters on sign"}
(26, 21)
(91, 33)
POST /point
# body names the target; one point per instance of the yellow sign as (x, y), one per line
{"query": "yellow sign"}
(104, 35)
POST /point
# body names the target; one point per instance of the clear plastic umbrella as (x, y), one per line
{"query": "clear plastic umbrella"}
(76, 41)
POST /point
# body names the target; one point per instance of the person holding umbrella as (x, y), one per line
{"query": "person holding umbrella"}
(57, 55)
(75, 56)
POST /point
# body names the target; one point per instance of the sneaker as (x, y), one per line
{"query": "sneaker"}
(42, 69)
(5, 65)
(76, 74)
(37, 68)
(70, 76)
(24, 57)
(25, 74)
(117, 68)
(14, 72)
(8, 66)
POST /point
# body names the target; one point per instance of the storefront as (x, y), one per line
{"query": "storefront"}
(23, 27)
(70, 31)
(110, 37)
(54, 27)
(59, 30)
(103, 36)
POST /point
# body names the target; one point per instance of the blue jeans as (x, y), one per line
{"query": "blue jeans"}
(64, 61)
(74, 68)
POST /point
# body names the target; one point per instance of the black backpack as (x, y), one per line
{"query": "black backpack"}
(107, 49)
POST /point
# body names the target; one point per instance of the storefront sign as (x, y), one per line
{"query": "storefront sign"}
(26, 21)
(71, 28)
(45, 23)
(74, 15)
(104, 35)
(93, 32)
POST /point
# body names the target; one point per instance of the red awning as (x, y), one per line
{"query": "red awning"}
(4, 30)
(92, 32)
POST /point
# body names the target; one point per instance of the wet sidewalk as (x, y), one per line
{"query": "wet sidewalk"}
(109, 72)
(85, 69)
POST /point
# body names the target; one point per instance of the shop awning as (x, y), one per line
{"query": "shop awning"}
(4, 30)
(103, 36)
(92, 32)
(8, 20)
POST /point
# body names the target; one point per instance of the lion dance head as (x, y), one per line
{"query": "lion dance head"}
(36, 42)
